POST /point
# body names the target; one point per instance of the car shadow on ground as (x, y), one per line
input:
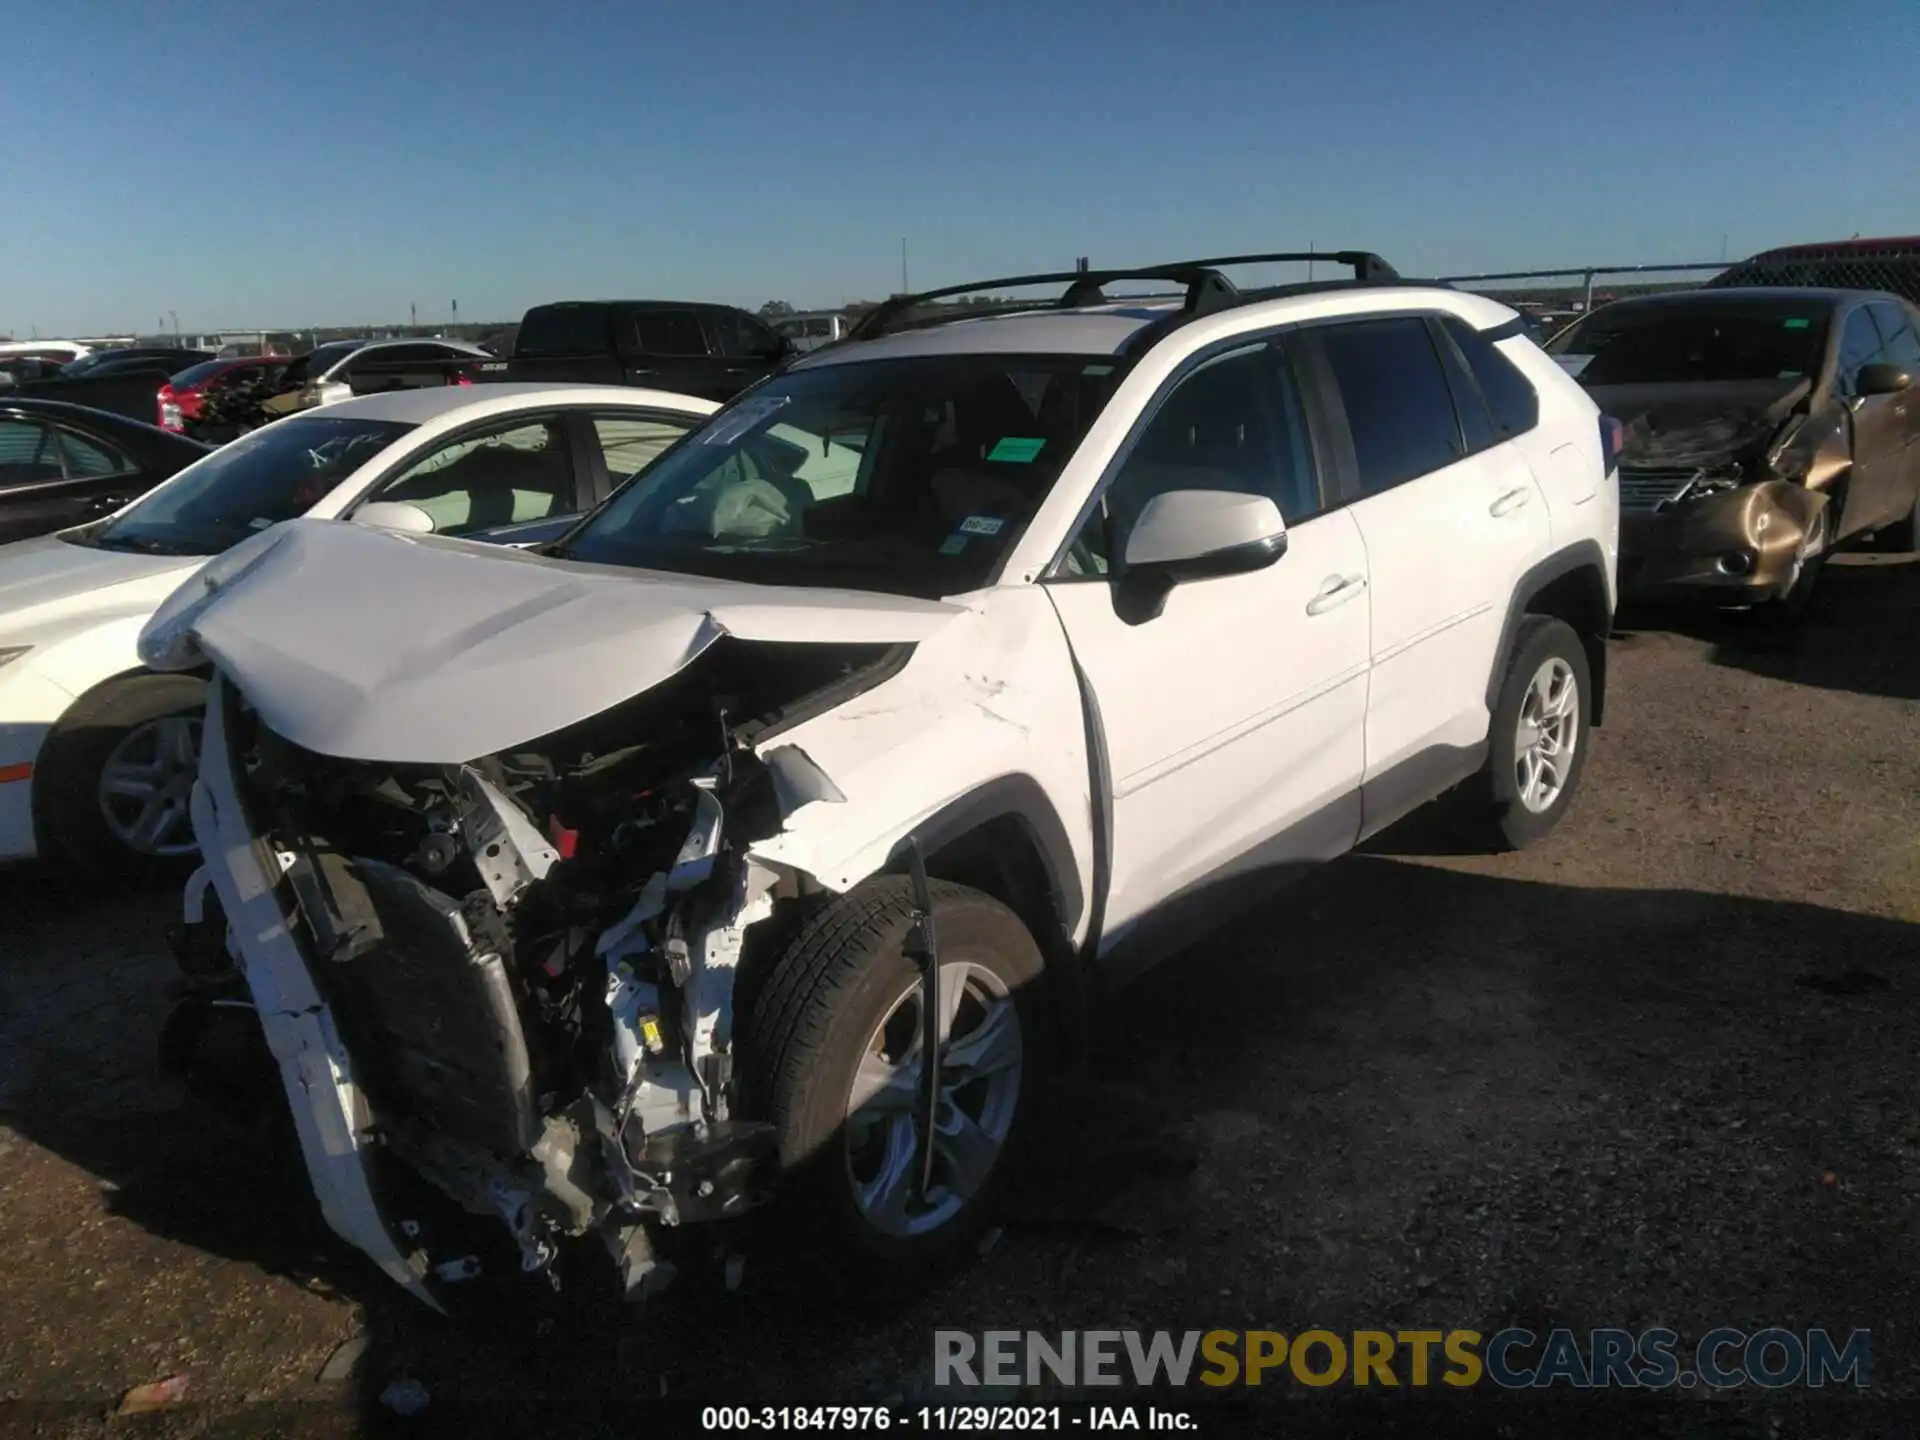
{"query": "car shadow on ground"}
(1396, 1095)
(1860, 634)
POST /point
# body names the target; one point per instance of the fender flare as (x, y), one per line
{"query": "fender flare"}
(1582, 555)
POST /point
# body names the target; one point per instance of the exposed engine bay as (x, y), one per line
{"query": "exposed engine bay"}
(534, 958)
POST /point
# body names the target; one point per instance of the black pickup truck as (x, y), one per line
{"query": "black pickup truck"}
(713, 351)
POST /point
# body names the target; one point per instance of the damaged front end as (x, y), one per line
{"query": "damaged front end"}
(1731, 508)
(516, 977)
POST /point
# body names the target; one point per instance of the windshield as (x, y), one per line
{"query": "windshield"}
(907, 476)
(1669, 344)
(258, 480)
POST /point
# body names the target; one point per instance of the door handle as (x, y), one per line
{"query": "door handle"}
(1336, 591)
(1508, 503)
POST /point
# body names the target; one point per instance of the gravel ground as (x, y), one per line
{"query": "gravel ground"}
(1659, 1070)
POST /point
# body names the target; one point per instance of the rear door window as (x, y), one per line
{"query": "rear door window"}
(559, 330)
(668, 333)
(1399, 409)
(89, 459)
(630, 443)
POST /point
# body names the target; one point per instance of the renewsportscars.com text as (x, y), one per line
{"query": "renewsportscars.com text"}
(1725, 1358)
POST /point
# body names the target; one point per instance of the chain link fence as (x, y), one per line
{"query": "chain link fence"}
(1890, 266)
(1564, 294)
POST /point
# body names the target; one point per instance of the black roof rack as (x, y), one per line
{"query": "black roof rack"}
(1206, 289)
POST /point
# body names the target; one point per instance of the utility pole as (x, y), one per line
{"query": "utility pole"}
(174, 315)
(456, 315)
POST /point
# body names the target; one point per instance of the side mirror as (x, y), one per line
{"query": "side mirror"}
(1881, 379)
(394, 515)
(1186, 535)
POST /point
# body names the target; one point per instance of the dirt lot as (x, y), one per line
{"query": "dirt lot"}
(1660, 1070)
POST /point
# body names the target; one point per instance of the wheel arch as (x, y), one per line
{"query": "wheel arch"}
(74, 717)
(1006, 839)
(1569, 585)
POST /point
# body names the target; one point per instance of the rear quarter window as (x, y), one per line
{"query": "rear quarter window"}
(1510, 395)
(564, 330)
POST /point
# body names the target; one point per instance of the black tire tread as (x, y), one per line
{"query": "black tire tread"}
(826, 955)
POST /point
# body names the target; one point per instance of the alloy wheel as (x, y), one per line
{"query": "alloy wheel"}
(982, 1056)
(146, 785)
(1544, 739)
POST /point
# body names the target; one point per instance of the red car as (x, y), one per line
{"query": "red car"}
(189, 402)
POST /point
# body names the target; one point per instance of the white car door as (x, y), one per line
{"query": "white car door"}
(1451, 517)
(1233, 720)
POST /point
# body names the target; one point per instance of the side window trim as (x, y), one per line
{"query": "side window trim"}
(1464, 386)
(1277, 337)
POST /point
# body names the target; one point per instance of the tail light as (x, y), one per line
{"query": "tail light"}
(174, 409)
(1613, 440)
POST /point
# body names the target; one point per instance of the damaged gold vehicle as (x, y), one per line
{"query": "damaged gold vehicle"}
(1760, 430)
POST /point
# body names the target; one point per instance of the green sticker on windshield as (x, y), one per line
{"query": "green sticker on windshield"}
(1016, 449)
(1798, 324)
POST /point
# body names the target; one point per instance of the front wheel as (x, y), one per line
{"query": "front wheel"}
(834, 1055)
(113, 781)
(1537, 747)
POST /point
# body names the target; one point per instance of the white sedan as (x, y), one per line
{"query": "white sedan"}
(98, 755)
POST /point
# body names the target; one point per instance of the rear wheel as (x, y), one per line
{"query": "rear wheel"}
(835, 1057)
(114, 779)
(1537, 747)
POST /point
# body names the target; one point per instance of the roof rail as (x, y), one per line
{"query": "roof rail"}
(1206, 289)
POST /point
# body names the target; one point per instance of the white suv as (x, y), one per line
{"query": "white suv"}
(609, 886)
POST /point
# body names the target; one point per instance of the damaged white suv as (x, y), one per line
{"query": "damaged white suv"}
(592, 885)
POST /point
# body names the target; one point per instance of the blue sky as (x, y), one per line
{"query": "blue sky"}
(330, 163)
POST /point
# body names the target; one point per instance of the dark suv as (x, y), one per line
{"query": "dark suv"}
(713, 351)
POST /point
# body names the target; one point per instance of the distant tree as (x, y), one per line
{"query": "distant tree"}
(775, 310)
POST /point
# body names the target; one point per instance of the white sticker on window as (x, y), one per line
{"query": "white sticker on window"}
(746, 415)
(981, 525)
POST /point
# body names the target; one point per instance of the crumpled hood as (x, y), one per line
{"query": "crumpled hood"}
(44, 575)
(373, 645)
(1687, 425)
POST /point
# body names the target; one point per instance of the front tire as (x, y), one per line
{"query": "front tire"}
(832, 1046)
(113, 781)
(1537, 747)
